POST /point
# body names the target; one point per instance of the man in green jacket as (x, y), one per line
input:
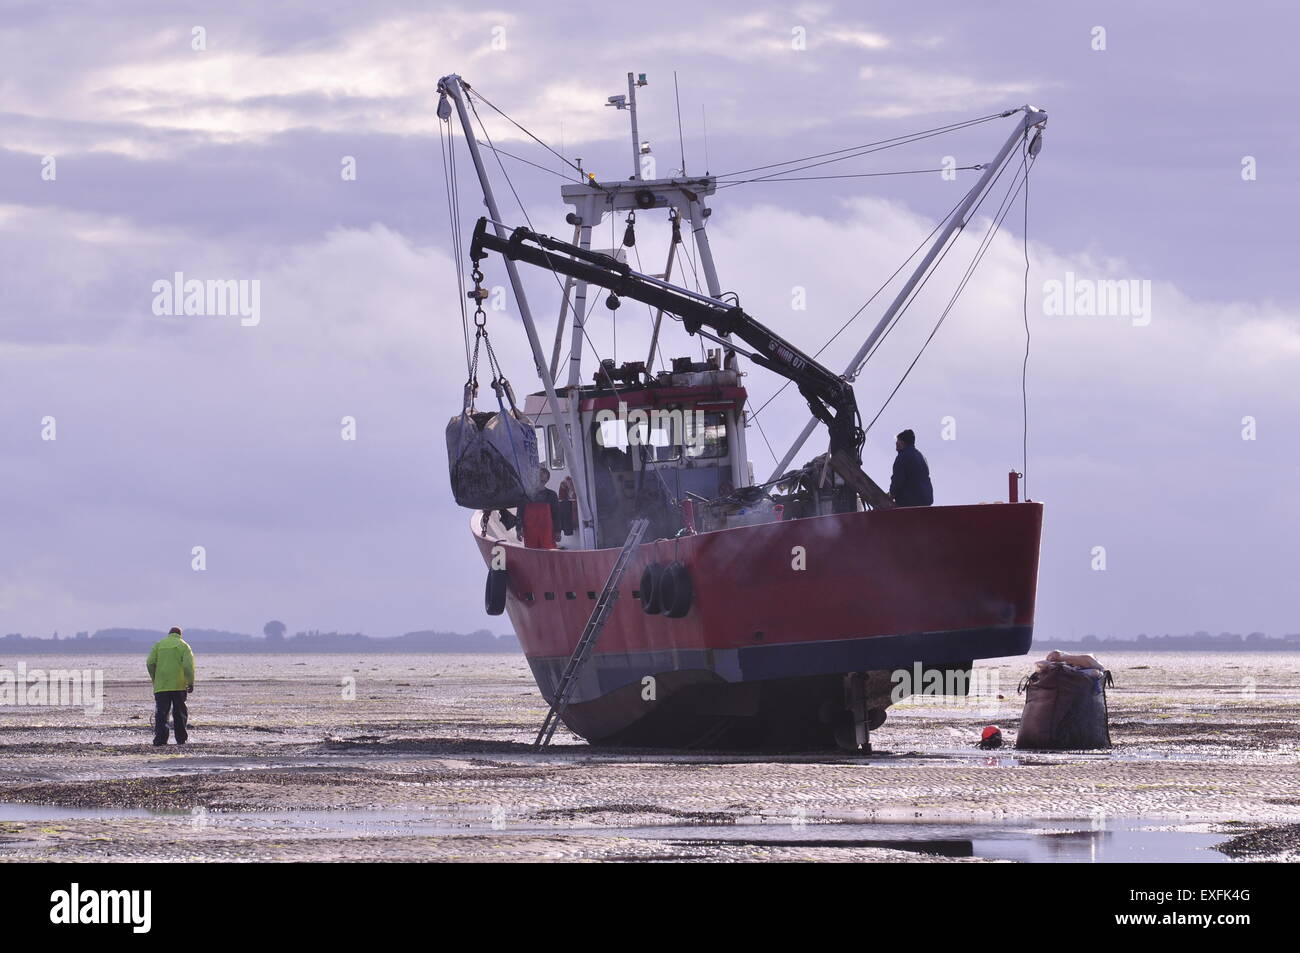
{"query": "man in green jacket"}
(171, 666)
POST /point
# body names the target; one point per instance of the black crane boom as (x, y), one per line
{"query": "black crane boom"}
(829, 395)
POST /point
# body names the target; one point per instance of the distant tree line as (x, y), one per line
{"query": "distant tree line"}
(1195, 641)
(217, 640)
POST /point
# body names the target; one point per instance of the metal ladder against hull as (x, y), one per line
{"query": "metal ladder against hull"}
(587, 641)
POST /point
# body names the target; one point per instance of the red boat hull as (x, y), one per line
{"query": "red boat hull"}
(780, 613)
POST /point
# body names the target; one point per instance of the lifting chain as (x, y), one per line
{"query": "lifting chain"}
(478, 295)
(499, 383)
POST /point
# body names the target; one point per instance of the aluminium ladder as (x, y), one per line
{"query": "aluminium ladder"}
(599, 615)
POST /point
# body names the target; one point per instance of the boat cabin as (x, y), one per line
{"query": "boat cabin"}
(656, 446)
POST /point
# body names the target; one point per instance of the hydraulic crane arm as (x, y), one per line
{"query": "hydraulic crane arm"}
(829, 395)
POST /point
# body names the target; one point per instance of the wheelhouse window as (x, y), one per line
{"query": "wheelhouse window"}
(706, 434)
(612, 434)
(658, 432)
(550, 451)
(664, 435)
(664, 438)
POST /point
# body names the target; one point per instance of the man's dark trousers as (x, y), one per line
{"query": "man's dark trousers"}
(170, 703)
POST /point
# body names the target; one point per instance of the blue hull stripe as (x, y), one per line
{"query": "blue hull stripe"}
(608, 671)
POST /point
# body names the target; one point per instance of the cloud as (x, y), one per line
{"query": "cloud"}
(897, 92)
(144, 91)
(181, 431)
(380, 76)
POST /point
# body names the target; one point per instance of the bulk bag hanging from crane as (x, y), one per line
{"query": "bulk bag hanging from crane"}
(493, 459)
(492, 455)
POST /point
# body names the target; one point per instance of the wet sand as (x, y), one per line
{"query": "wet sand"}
(432, 760)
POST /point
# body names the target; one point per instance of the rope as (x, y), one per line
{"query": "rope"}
(870, 146)
(650, 312)
(499, 386)
(506, 175)
(613, 315)
(924, 242)
(475, 94)
(1024, 368)
(511, 155)
(916, 292)
(518, 201)
(848, 175)
(985, 243)
(753, 415)
(500, 165)
(900, 140)
(452, 189)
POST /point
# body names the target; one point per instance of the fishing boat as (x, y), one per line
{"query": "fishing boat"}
(662, 595)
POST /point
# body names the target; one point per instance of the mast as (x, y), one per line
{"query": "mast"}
(1032, 117)
(659, 315)
(560, 321)
(450, 85)
(632, 84)
(628, 102)
(579, 311)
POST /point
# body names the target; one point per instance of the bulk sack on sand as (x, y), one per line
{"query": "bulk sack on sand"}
(1065, 704)
(493, 460)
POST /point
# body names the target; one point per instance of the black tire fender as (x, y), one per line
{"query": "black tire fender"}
(494, 595)
(651, 578)
(676, 593)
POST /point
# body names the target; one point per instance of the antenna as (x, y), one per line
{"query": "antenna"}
(628, 102)
(681, 141)
(705, 120)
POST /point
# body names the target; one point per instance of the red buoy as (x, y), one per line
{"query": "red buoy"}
(991, 737)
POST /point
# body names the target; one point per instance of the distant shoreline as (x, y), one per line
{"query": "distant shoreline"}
(1171, 645)
(30, 647)
(219, 642)
(37, 647)
(1094, 648)
(277, 641)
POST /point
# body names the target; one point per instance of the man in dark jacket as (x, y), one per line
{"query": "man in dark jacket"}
(546, 530)
(544, 495)
(910, 484)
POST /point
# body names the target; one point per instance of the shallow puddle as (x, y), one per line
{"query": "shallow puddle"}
(1115, 840)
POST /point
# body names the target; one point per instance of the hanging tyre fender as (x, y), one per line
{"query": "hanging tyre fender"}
(675, 590)
(494, 595)
(651, 578)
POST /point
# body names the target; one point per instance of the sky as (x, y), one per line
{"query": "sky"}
(213, 140)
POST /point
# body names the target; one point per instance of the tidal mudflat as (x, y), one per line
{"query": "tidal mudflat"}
(429, 757)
